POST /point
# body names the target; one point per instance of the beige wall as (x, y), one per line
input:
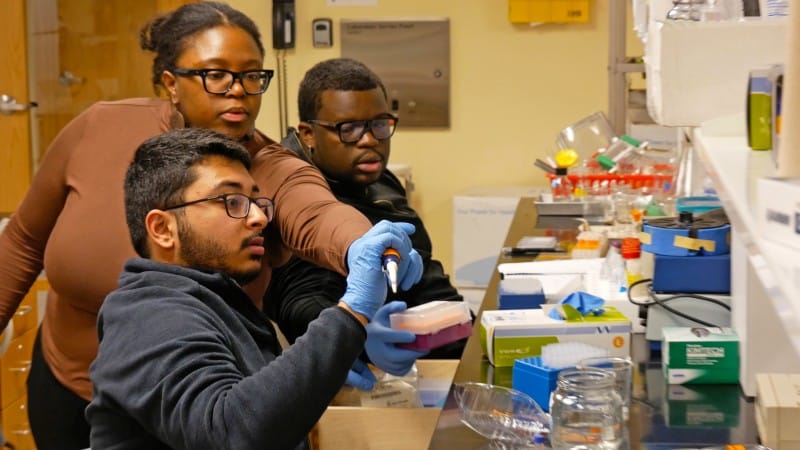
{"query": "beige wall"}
(512, 89)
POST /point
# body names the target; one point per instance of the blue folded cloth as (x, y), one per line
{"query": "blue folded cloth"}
(583, 302)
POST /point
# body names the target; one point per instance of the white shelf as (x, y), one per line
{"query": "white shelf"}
(764, 291)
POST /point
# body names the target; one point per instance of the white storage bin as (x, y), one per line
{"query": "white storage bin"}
(698, 71)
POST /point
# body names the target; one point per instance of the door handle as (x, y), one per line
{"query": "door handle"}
(67, 79)
(9, 105)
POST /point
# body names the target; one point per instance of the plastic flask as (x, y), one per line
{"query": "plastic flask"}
(561, 186)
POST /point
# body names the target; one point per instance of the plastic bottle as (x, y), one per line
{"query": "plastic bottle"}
(561, 186)
(631, 251)
(613, 270)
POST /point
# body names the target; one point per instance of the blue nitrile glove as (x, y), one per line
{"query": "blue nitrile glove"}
(584, 302)
(381, 339)
(360, 377)
(366, 282)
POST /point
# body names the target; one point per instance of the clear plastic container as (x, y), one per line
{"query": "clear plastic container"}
(587, 135)
(561, 186)
(435, 323)
(497, 412)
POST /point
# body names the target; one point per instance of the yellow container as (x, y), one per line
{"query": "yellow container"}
(548, 11)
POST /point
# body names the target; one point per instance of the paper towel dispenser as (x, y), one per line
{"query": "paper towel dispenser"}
(412, 57)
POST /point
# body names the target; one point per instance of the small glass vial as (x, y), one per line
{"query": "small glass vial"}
(586, 411)
(561, 186)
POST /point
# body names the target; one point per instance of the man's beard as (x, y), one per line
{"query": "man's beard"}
(203, 253)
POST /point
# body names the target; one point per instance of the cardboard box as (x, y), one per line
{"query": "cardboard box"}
(519, 333)
(703, 355)
(778, 210)
(355, 427)
(696, 71)
(481, 217)
(777, 409)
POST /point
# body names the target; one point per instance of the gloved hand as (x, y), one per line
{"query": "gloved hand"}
(366, 282)
(360, 377)
(381, 339)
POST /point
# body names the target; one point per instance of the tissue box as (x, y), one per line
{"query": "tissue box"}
(702, 355)
(778, 409)
(520, 333)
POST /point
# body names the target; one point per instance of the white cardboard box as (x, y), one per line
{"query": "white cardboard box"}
(510, 334)
(778, 210)
(777, 410)
(698, 70)
(481, 217)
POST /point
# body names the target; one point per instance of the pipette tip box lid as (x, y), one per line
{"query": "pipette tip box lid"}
(520, 293)
(435, 323)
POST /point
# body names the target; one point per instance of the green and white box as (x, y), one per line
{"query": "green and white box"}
(701, 355)
(509, 334)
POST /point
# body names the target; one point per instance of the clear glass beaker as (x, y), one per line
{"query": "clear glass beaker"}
(586, 411)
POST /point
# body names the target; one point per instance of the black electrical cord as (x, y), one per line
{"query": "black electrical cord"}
(662, 302)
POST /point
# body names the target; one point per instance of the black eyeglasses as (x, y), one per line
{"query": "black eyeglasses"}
(236, 205)
(351, 131)
(220, 81)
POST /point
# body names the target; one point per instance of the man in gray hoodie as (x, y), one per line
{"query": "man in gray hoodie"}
(186, 359)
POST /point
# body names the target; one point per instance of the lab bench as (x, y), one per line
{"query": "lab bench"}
(662, 416)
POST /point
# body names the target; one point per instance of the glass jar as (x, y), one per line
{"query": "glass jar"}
(586, 411)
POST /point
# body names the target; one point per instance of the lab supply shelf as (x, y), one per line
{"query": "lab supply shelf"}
(765, 305)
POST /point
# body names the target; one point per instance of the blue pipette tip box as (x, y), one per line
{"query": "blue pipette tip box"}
(532, 377)
(520, 293)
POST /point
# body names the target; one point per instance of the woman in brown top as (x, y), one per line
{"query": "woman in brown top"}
(71, 222)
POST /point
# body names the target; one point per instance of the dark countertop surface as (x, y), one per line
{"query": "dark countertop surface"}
(662, 416)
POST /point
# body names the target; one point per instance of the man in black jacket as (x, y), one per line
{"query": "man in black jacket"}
(345, 130)
(186, 359)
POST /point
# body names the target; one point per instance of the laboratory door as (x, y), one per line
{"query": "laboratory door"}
(63, 55)
(15, 166)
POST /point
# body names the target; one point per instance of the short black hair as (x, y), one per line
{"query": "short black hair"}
(168, 34)
(339, 74)
(163, 167)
